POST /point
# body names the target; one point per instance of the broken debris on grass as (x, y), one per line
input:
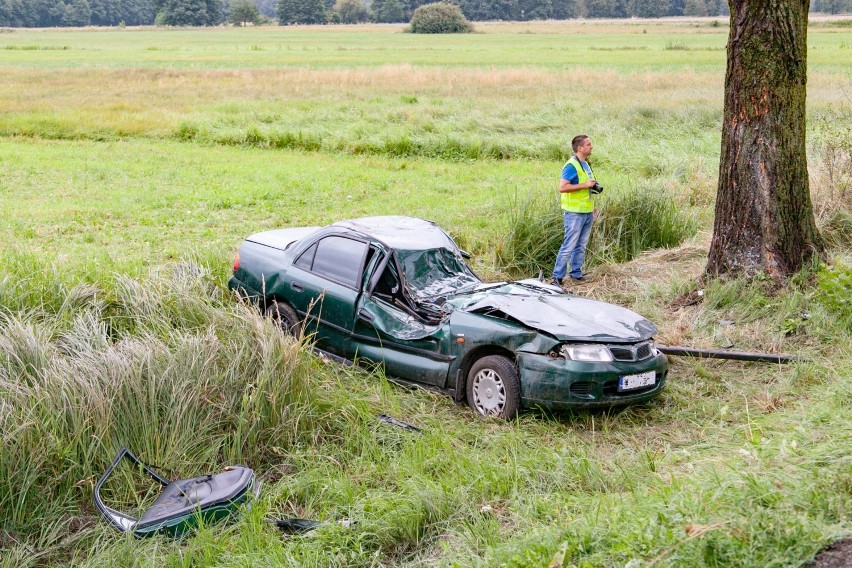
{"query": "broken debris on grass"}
(295, 526)
(181, 503)
(292, 527)
(399, 423)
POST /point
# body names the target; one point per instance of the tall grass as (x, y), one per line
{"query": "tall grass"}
(831, 176)
(459, 114)
(160, 366)
(27, 283)
(191, 380)
(628, 222)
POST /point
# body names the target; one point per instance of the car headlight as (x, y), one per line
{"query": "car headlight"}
(589, 353)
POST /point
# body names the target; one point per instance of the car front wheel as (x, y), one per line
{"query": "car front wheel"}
(493, 388)
(285, 316)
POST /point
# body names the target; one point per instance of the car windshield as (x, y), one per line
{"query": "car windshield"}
(434, 273)
(470, 297)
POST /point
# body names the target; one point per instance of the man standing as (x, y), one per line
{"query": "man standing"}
(578, 209)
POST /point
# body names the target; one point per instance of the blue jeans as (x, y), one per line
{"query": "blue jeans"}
(578, 228)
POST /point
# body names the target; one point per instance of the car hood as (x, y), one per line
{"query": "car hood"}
(564, 316)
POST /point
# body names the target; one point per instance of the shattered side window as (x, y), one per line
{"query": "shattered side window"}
(388, 286)
(391, 289)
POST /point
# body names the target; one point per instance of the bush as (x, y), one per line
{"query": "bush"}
(628, 223)
(439, 18)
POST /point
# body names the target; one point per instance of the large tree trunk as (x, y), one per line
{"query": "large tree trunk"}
(764, 218)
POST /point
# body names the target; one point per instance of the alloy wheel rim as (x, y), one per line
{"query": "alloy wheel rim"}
(489, 392)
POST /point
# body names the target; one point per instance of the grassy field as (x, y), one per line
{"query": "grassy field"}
(133, 162)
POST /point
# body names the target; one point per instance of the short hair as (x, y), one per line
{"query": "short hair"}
(577, 141)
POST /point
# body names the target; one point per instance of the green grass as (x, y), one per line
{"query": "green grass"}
(135, 161)
(753, 458)
(127, 205)
(610, 46)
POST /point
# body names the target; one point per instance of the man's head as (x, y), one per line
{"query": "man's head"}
(582, 146)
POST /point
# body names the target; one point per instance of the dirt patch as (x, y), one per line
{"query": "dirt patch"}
(835, 555)
(687, 299)
(620, 282)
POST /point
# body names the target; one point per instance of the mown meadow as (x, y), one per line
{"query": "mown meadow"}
(133, 162)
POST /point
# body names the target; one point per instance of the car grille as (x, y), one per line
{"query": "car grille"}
(636, 352)
(581, 388)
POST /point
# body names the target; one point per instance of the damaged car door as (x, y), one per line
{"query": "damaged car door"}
(324, 285)
(390, 331)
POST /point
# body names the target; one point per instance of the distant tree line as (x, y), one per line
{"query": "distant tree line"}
(51, 13)
(321, 11)
(335, 11)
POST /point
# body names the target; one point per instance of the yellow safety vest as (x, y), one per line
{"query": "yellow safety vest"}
(579, 201)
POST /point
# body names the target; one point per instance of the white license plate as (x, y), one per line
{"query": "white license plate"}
(630, 382)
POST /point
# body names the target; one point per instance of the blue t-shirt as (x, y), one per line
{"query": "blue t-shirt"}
(569, 172)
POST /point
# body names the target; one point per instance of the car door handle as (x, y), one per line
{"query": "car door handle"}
(365, 315)
(297, 286)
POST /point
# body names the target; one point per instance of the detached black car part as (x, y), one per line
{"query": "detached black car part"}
(399, 423)
(295, 526)
(183, 504)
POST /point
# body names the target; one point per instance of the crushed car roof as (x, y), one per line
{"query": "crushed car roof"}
(396, 231)
(402, 233)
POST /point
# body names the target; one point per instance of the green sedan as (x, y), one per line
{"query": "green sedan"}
(396, 291)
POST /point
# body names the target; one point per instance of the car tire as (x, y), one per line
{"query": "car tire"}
(493, 388)
(286, 317)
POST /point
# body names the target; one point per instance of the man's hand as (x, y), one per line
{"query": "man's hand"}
(566, 186)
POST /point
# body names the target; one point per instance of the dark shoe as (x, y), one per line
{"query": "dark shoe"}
(556, 282)
(580, 279)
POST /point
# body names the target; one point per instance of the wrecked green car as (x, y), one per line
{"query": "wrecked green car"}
(396, 291)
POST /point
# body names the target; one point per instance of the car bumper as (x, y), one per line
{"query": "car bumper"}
(558, 383)
(244, 290)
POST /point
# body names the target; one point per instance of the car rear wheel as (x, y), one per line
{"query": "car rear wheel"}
(285, 316)
(493, 388)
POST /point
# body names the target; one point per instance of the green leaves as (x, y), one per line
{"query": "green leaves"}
(835, 291)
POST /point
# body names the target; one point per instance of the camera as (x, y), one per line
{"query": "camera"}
(595, 189)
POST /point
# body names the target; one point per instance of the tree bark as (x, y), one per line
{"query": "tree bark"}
(764, 217)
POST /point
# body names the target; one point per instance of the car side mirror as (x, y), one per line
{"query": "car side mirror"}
(465, 254)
